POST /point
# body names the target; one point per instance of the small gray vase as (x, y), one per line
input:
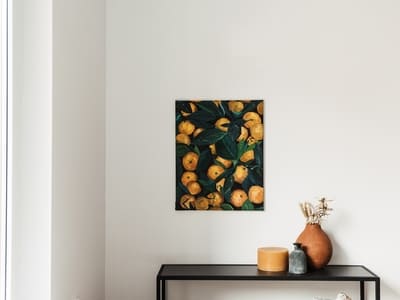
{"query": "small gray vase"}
(297, 260)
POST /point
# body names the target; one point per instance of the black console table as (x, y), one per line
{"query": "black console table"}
(355, 273)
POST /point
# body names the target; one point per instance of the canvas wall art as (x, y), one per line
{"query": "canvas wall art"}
(219, 155)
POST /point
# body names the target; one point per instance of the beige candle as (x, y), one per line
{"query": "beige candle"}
(272, 259)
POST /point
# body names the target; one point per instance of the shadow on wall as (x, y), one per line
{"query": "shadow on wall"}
(338, 256)
(388, 292)
(337, 224)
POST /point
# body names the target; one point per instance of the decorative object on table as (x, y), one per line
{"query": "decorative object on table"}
(316, 243)
(219, 154)
(272, 259)
(297, 260)
(340, 296)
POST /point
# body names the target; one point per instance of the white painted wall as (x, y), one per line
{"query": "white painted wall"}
(31, 150)
(329, 72)
(78, 249)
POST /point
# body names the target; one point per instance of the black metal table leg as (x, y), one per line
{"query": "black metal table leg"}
(378, 289)
(158, 292)
(362, 290)
(163, 290)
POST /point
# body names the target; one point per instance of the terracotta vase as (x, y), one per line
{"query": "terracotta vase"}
(317, 246)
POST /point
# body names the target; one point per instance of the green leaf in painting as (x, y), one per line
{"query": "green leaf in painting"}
(239, 122)
(246, 184)
(178, 118)
(228, 113)
(179, 193)
(241, 148)
(226, 206)
(258, 153)
(234, 131)
(182, 105)
(251, 147)
(252, 106)
(227, 189)
(182, 187)
(260, 175)
(254, 178)
(228, 172)
(182, 149)
(221, 110)
(247, 205)
(209, 137)
(179, 170)
(202, 116)
(208, 186)
(226, 148)
(209, 106)
(197, 150)
(205, 160)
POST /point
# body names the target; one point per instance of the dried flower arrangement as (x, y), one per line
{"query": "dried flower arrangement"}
(315, 213)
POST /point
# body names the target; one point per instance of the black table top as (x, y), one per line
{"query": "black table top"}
(250, 272)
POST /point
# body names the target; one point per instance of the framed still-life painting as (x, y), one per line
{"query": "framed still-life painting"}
(219, 155)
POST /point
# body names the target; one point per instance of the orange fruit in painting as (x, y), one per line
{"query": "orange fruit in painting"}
(243, 134)
(220, 185)
(214, 171)
(247, 156)
(256, 194)
(257, 131)
(194, 187)
(193, 108)
(222, 124)
(190, 160)
(251, 140)
(260, 108)
(215, 199)
(251, 118)
(240, 174)
(183, 138)
(197, 131)
(186, 127)
(187, 201)
(213, 149)
(225, 162)
(238, 197)
(235, 106)
(188, 177)
(201, 203)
